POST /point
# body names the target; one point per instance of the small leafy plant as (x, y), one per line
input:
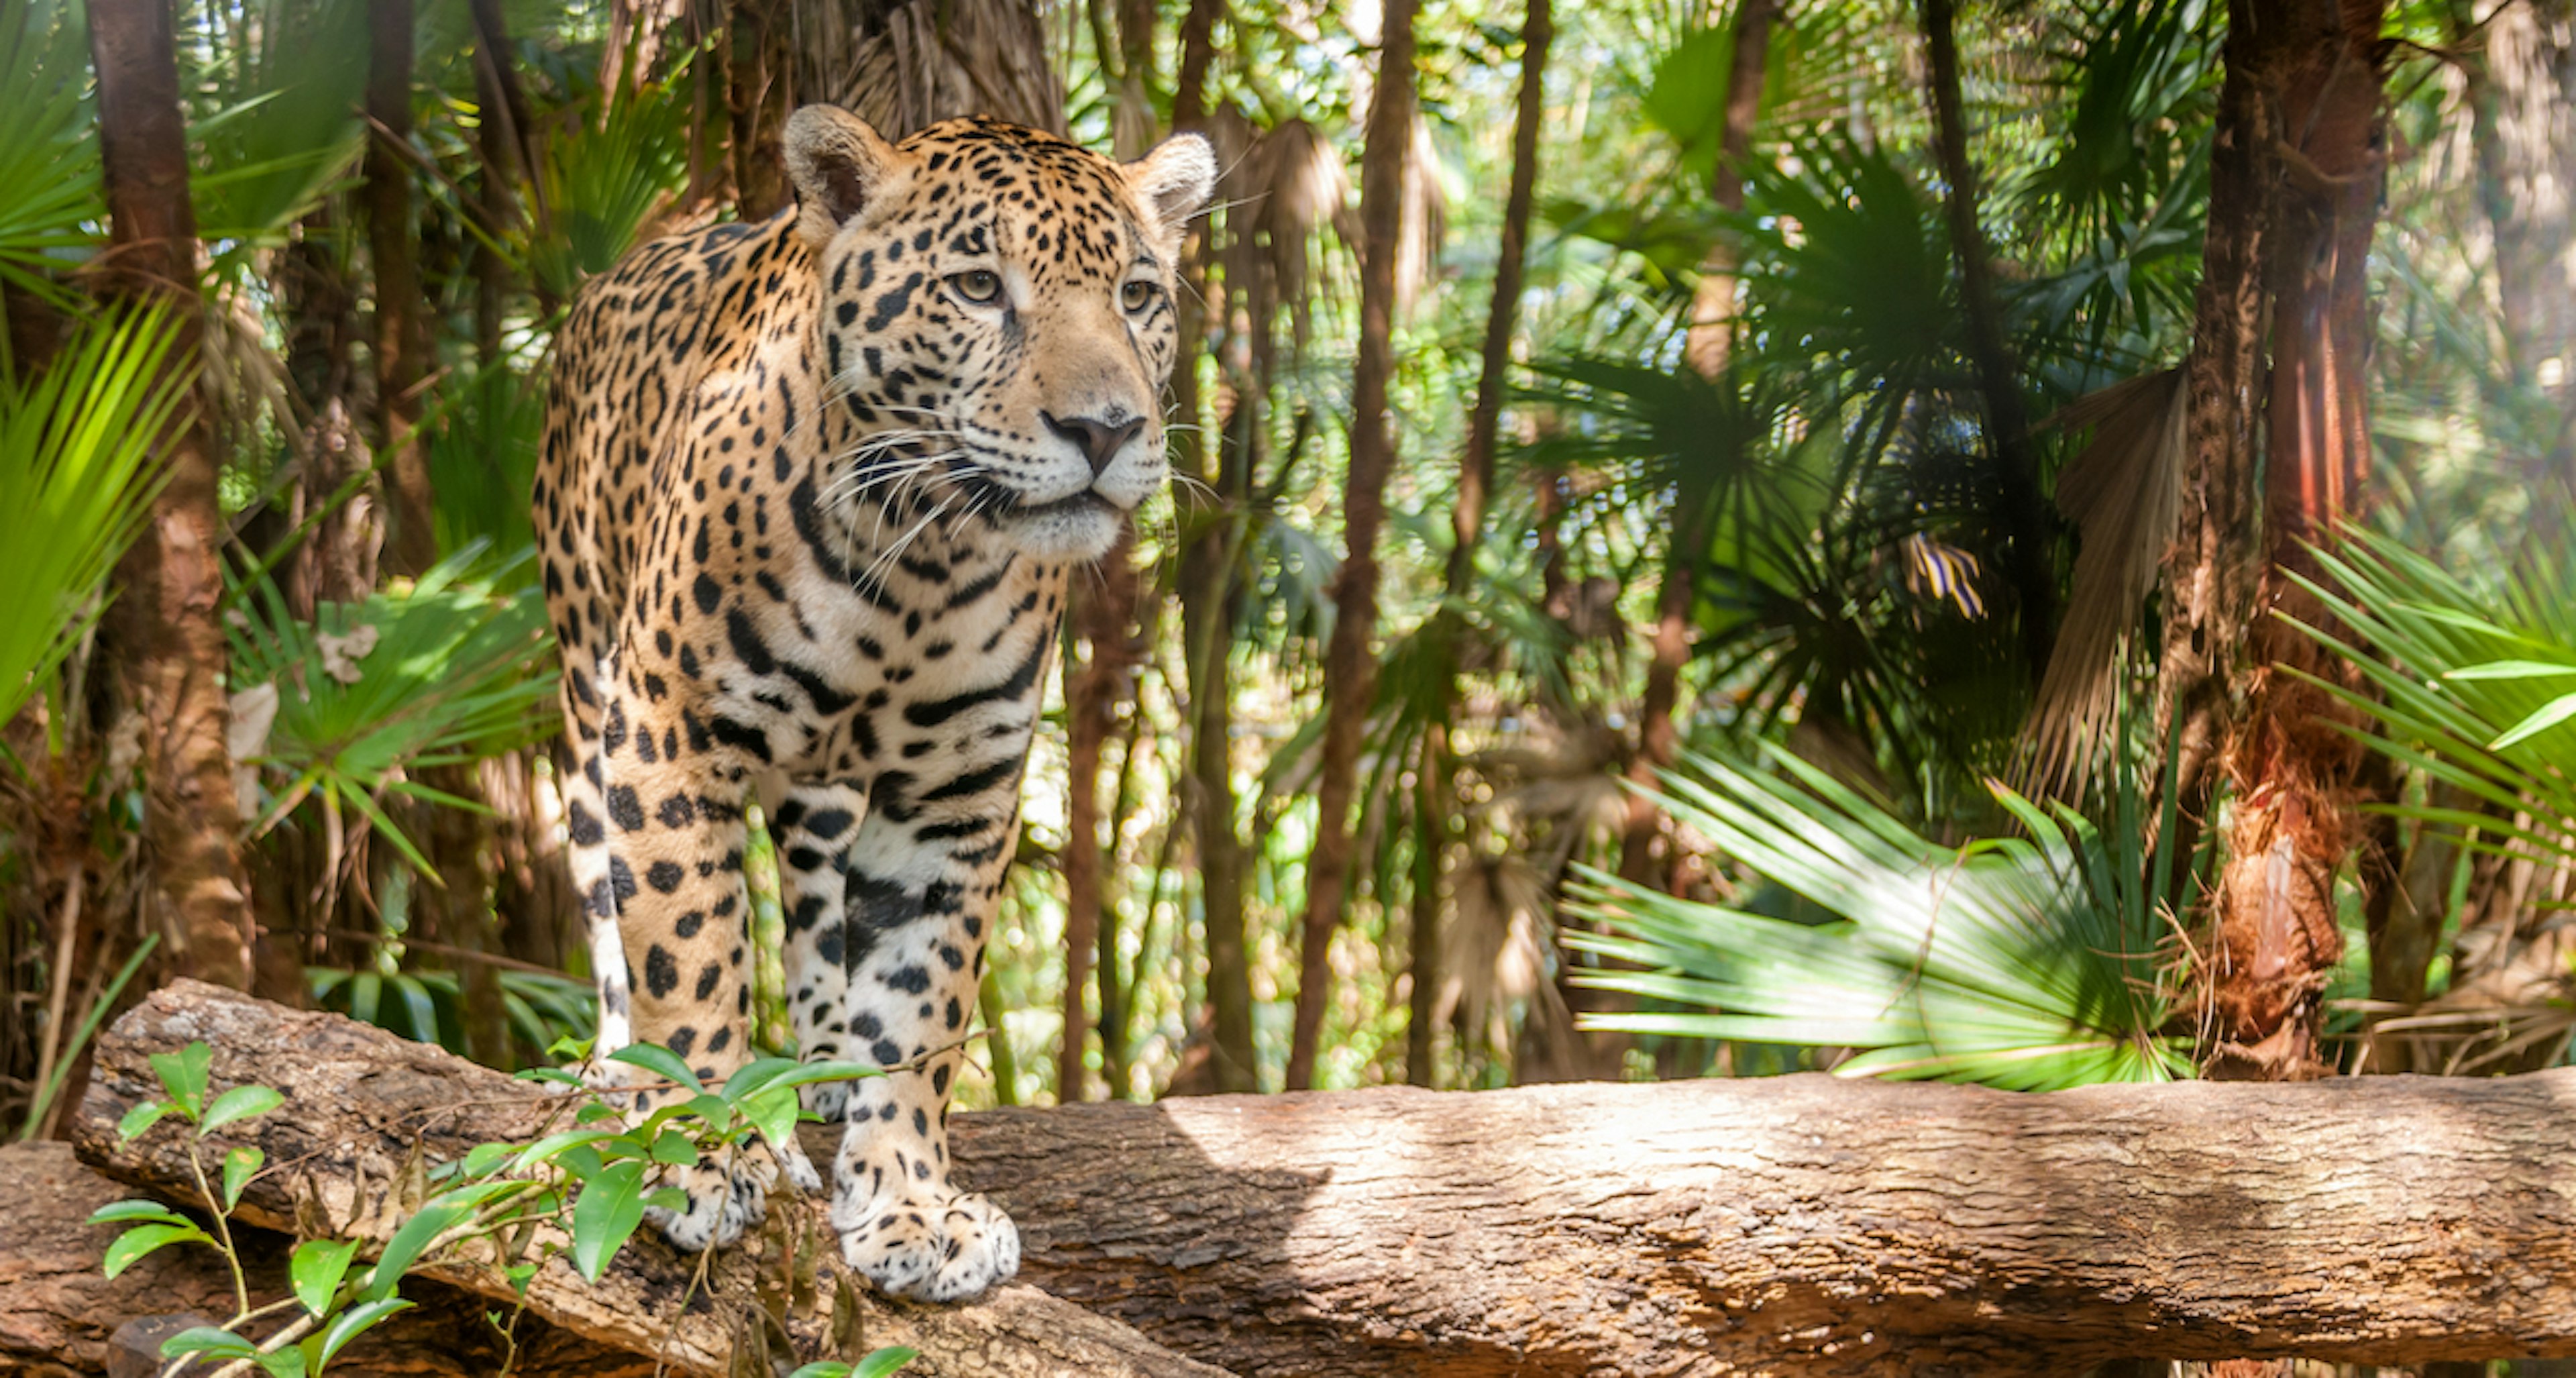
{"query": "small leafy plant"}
(592, 1182)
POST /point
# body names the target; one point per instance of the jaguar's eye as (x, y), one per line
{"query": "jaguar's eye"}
(982, 286)
(1138, 294)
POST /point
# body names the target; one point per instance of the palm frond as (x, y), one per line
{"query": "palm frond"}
(2029, 963)
(76, 445)
(456, 667)
(49, 160)
(284, 130)
(2124, 493)
(2475, 687)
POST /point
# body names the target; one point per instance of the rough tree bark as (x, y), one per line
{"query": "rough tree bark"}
(361, 1103)
(1789, 1225)
(168, 649)
(1350, 663)
(1436, 815)
(2296, 778)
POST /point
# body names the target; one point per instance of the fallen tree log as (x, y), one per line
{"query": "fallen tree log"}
(364, 1108)
(1795, 1225)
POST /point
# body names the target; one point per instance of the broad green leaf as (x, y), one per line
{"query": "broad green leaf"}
(407, 1245)
(660, 1061)
(480, 1161)
(183, 1075)
(209, 1341)
(773, 1112)
(316, 1270)
(352, 1323)
(241, 1163)
(139, 1120)
(675, 1148)
(556, 1075)
(884, 1363)
(553, 1146)
(143, 1239)
(118, 1211)
(239, 1103)
(605, 1215)
(283, 1363)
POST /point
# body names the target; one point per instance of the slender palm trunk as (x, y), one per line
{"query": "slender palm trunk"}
(1350, 664)
(2032, 564)
(167, 645)
(1100, 657)
(1705, 350)
(1098, 617)
(2295, 777)
(1435, 814)
(1208, 592)
(402, 335)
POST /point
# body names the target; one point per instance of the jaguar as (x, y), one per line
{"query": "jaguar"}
(809, 496)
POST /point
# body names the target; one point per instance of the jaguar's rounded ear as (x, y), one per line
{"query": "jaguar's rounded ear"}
(840, 167)
(1174, 180)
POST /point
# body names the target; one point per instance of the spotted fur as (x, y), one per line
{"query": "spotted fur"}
(810, 494)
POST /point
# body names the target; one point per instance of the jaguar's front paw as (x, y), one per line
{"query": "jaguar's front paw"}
(722, 1203)
(941, 1250)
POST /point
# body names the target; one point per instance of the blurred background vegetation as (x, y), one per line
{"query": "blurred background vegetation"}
(2022, 543)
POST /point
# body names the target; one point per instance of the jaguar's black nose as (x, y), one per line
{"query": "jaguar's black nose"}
(1098, 440)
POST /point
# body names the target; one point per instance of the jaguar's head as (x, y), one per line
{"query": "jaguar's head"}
(998, 319)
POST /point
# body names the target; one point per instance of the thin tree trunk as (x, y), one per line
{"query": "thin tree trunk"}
(168, 647)
(759, 95)
(402, 337)
(1100, 657)
(1099, 617)
(1705, 350)
(1207, 605)
(2294, 776)
(2210, 578)
(2033, 565)
(1434, 817)
(1712, 328)
(496, 139)
(1350, 663)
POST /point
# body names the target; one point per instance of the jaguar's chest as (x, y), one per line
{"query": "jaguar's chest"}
(847, 670)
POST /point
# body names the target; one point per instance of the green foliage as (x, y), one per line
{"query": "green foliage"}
(482, 454)
(2474, 687)
(284, 126)
(49, 161)
(593, 1185)
(603, 175)
(56, 1075)
(454, 668)
(429, 1006)
(2028, 963)
(76, 480)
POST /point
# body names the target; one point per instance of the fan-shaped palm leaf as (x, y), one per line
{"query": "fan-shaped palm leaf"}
(2028, 963)
(2474, 686)
(454, 668)
(76, 444)
(49, 159)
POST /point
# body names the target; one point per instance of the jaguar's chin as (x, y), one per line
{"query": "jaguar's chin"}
(1079, 528)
